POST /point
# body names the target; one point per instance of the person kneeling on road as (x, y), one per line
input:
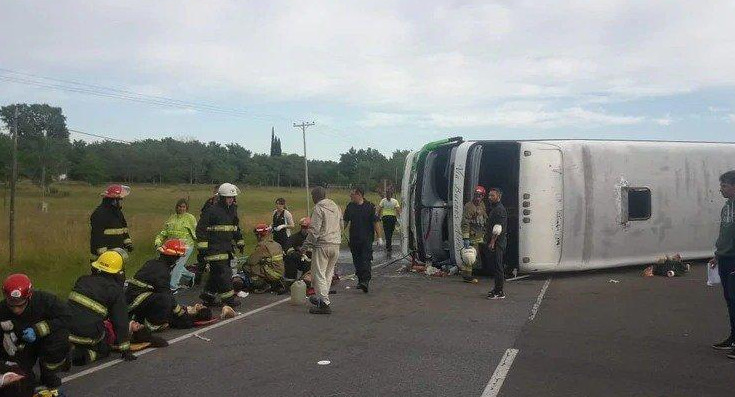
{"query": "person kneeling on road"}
(35, 328)
(95, 298)
(264, 268)
(148, 295)
(295, 260)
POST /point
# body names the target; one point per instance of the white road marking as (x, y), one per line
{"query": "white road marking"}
(516, 278)
(537, 305)
(501, 371)
(198, 331)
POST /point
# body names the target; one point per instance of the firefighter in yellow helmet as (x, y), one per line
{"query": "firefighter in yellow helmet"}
(95, 299)
(265, 266)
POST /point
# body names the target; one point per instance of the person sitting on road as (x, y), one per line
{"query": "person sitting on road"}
(150, 300)
(295, 260)
(264, 267)
(97, 297)
(35, 329)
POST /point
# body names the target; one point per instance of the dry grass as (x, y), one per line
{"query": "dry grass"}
(52, 247)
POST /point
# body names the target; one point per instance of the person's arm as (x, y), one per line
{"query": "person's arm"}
(127, 241)
(120, 321)
(237, 236)
(398, 208)
(95, 239)
(201, 232)
(376, 227)
(315, 230)
(289, 219)
(58, 318)
(380, 208)
(161, 236)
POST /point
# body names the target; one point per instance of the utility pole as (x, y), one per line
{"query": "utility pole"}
(303, 127)
(13, 178)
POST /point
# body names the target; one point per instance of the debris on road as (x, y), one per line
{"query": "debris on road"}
(324, 362)
(613, 281)
(202, 338)
(668, 266)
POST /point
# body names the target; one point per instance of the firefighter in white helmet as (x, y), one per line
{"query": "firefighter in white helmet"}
(217, 230)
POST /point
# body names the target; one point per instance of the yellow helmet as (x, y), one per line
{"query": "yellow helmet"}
(109, 262)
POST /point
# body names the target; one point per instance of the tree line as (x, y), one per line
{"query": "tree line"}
(45, 153)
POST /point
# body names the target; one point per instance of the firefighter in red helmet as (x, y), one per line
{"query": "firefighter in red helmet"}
(109, 227)
(35, 329)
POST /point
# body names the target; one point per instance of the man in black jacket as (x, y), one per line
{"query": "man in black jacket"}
(109, 227)
(35, 328)
(218, 229)
(497, 241)
(295, 260)
(95, 298)
(150, 300)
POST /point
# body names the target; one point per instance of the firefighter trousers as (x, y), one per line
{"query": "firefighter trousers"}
(155, 311)
(219, 283)
(88, 343)
(50, 351)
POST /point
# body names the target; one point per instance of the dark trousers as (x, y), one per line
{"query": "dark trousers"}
(89, 342)
(155, 311)
(389, 225)
(492, 261)
(293, 264)
(726, 267)
(219, 283)
(50, 352)
(362, 257)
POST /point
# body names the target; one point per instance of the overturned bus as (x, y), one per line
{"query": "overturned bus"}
(572, 204)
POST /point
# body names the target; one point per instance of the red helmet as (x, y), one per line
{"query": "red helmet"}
(480, 190)
(305, 223)
(116, 191)
(173, 247)
(261, 229)
(17, 289)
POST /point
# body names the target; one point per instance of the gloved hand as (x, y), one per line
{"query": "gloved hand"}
(127, 355)
(241, 249)
(279, 228)
(9, 345)
(6, 325)
(466, 243)
(29, 335)
(128, 247)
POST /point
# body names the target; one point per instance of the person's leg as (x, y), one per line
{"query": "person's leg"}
(332, 254)
(725, 267)
(367, 270)
(319, 269)
(53, 351)
(357, 260)
(389, 225)
(499, 269)
(156, 311)
(291, 266)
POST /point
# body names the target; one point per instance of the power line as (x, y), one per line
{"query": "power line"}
(99, 136)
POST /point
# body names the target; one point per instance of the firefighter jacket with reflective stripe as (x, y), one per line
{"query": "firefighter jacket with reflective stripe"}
(45, 313)
(181, 226)
(296, 241)
(474, 218)
(153, 277)
(266, 261)
(97, 297)
(218, 229)
(109, 228)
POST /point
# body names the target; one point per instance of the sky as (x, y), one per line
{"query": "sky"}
(382, 74)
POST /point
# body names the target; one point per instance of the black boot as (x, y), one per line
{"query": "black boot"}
(321, 309)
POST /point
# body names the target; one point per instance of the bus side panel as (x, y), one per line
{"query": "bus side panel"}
(540, 203)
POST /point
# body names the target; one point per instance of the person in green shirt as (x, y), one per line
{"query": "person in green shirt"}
(181, 225)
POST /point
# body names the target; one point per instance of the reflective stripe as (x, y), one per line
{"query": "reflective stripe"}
(54, 366)
(226, 295)
(115, 232)
(121, 347)
(179, 311)
(276, 258)
(138, 300)
(203, 245)
(82, 340)
(42, 328)
(139, 283)
(127, 241)
(240, 243)
(153, 327)
(92, 355)
(290, 250)
(89, 303)
(222, 228)
(217, 257)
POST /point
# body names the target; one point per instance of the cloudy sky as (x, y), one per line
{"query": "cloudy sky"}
(386, 74)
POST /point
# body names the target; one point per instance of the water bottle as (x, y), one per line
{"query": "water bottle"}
(298, 292)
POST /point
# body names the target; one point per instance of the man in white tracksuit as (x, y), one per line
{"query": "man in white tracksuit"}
(323, 240)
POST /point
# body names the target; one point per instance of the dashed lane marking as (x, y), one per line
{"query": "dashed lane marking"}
(501, 371)
(537, 305)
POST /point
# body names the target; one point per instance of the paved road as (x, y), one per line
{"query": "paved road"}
(416, 335)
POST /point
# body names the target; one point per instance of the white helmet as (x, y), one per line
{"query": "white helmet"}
(228, 190)
(469, 256)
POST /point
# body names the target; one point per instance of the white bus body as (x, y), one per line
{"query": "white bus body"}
(572, 204)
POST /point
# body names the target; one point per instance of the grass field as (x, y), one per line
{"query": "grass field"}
(53, 247)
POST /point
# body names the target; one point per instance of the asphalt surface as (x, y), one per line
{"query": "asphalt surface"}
(419, 335)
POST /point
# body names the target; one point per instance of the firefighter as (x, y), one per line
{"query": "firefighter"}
(95, 298)
(35, 328)
(217, 230)
(109, 228)
(474, 218)
(265, 266)
(295, 260)
(150, 300)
